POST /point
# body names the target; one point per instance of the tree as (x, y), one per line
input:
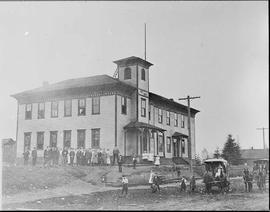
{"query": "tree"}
(217, 153)
(231, 151)
(197, 159)
(204, 154)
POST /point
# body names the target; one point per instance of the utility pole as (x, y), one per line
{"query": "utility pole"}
(188, 98)
(263, 128)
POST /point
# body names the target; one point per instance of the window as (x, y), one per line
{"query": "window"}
(168, 118)
(160, 143)
(176, 120)
(160, 116)
(67, 138)
(95, 105)
(41, 110)
(54, 112)
(149, 114)
(28, 111)
(183, 146)
(95, 138)
(53, 138)
(127, 73)
(80, 138)
(68, 107)
(123, 105)
(143, 74)
(27, 141)
(81, 107)
(182, 121)
(40, 140)
(143, 107)
(169, 144)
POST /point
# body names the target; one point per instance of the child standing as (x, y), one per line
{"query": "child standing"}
(134, 160)
(124, 184)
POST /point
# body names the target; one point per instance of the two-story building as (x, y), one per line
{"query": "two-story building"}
(103, 112)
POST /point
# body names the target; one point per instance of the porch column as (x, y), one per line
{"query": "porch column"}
(163, 143)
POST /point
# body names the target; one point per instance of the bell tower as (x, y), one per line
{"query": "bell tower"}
(135, 72)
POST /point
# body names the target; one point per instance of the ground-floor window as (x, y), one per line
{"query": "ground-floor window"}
(81, 138)
(160, 143)
(95, 138)
(183, 147)
(67, 138)
(40, 140)
(169, 144)
(27, 141)
(53, 138)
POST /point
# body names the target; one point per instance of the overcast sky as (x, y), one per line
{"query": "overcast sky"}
(216, 50)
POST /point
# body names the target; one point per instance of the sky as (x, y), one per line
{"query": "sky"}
(215, 50)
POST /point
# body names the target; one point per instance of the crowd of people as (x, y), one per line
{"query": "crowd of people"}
(54, 156)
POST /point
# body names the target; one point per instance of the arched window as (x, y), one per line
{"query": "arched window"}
(127, 73)
(143, 74)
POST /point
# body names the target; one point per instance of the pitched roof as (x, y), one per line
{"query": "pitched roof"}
(8, 141)
(98, 80)
(132, 60)
(160, 100)
(136, 124)
(254, 153)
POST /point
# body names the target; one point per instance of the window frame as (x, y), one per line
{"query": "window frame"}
(176, 119)
(127, 73)
(65, 136)
(28, 114)
(160, 115)
(182, 121)
(169, 144)
(84, 133)
(143, 75)
(66, 106)
(57, 109)
(124, 106)
(40, 115)
(82, 107)
(168, 118)
(38, 134)
(93, 104)
(183, 147)
(25, 135)
(143, 109)
(51, 133)
(93, 141)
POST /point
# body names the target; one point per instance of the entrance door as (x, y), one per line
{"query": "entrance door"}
(176, 147)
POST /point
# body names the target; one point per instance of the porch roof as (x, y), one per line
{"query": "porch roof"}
(136, 124)
(178, 134)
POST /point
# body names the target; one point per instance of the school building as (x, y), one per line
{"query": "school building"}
(103, 112)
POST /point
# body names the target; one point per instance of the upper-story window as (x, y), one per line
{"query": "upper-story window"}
(143, 107)
(127, 73)
(81, 107)
(176, 120)
(68, 107)
(54, 111)
(41, 110)
(95, 105)
(123, 105)
(28, 111)
(168, 118)
(160, 116)
(182, 121)
(143, 74)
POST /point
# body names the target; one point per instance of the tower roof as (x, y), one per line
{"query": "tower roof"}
(133, 60)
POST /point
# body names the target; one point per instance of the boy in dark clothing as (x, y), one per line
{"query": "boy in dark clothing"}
(78, 156)
(34, 156)
(193, 184)
(134, 160)
(156, 182)
(120, 162)
(46, 157)
(65, 155)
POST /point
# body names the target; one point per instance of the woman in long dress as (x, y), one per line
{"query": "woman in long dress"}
(108, 159)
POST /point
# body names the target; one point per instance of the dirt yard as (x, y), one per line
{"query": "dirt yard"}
(67, 188)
